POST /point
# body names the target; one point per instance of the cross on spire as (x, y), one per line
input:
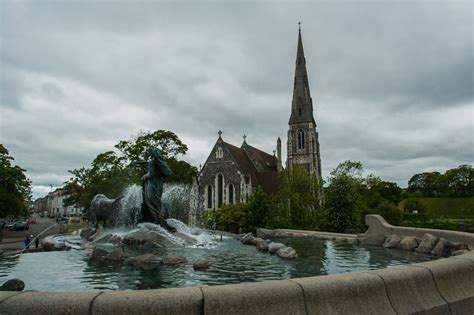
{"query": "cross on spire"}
(220, 133)
(299, 25)
(245, 137)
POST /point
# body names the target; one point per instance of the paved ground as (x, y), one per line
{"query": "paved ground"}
(13, 240)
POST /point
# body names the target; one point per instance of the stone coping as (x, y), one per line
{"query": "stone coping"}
(443, 286)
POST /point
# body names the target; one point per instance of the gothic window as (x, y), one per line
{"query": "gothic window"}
(219, 153)
(209, 197)
(299, 111)
(220, 192)
(301, 143)
(231, 194)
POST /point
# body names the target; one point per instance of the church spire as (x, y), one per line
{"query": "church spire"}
(302, 104)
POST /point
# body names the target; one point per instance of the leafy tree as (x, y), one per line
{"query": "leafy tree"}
(230, 217)
(427, 183)
(15, 187)
(259, 205)
(459, 182)
(344, 196)
(456, 182)
(299, 193)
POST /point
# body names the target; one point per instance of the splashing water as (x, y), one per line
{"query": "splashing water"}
(130, 205)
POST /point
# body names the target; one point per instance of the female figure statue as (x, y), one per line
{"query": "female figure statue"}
(152, 188)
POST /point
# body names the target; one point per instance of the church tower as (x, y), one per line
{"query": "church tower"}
(303, 144)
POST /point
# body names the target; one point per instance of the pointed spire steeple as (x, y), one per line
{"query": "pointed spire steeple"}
(302, 104)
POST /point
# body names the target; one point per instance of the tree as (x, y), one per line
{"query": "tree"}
(299, 194)
(458, 182)
(259, 205)
(344, 197)
(15, 187)
(427, 183)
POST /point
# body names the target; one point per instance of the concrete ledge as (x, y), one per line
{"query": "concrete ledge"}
(163, 301)
(269, 297)
(353, 293)
(455, 281)
(48, 303)
(412, 290)
(378, 225)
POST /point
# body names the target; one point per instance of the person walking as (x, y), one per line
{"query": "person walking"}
(27, 242)
(37, 242)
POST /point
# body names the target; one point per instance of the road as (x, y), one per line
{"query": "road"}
(13, 240)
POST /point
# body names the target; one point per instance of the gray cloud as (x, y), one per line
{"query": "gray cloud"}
(391, 81)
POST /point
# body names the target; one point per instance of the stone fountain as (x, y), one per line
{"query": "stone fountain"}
(138, 222)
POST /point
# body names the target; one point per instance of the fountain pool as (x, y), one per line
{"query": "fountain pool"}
(231, 262)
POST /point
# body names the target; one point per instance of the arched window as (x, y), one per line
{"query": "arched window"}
(220, 190)
(231, 194)
(219, 153)
(301, 143)
(209, 197)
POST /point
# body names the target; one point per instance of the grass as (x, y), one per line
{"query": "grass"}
(452, 208)
(440, 213)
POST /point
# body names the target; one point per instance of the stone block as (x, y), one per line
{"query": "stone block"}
(265, 233)
(269, 297)
(428, 242)
(408, 243)
(392, 241)
(48, 303)
(440, 248)
(352, 293)
(412, 290)
(373, 239)
(162, 301)
(455, 281)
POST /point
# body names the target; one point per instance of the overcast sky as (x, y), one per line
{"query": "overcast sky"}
(391, 81)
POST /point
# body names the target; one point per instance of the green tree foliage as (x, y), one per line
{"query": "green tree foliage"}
(456, 182)
(344, 197)
(112, 171)
(15, 187)
(230, 217)
(259, 207)
(299, 193)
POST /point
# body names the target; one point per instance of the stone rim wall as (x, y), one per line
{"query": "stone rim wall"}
(444, 286)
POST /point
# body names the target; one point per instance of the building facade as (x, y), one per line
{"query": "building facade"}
(232, 174)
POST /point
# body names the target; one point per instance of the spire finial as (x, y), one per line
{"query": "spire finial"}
(245, 137)
(220, 133)
(299, 26)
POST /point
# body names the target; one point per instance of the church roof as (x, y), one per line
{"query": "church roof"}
(243, 161)
(259, 165)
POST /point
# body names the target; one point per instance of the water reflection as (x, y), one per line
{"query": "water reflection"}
(230, 261)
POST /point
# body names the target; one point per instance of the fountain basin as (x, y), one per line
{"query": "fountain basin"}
(444, 285)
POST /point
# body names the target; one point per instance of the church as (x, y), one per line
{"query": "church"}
(231, 174)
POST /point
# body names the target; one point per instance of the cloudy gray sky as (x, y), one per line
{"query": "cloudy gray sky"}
(391, 81)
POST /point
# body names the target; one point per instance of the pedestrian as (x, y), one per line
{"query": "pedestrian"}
(27, 242)
(37, 241)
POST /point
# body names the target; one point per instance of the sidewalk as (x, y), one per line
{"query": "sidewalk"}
(13, 240)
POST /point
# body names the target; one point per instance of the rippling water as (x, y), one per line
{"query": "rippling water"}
(231, 262)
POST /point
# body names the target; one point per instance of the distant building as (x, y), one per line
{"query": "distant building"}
(53, 205)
